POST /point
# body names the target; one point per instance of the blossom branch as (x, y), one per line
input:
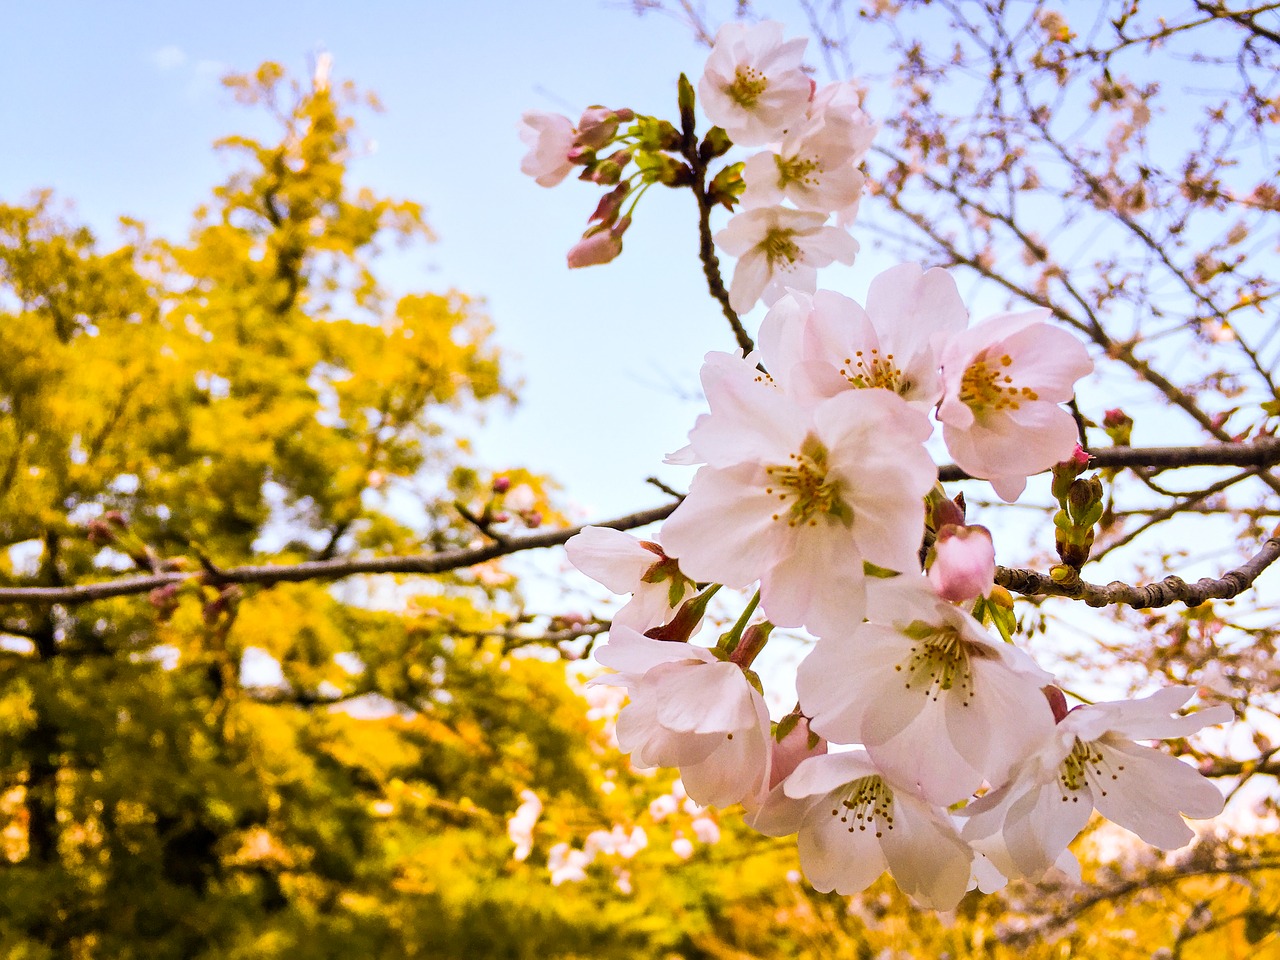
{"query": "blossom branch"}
(706, 247)
(1162, 593)
(268, 575)
(1260, 454)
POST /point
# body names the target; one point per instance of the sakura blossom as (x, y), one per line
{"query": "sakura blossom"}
(1090, 761)
(753, 85)
(624, 564)
(826, 343)
(690, 710)
(520, 826)
(855, 821)
(816, 165)
(567, 865)
(800, 497)
(550, 137)
(935, 700)
(1003, 380)
(777, 249)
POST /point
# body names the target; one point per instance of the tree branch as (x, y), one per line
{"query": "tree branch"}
(323, 569)
(1260, 453)
(1162, 593)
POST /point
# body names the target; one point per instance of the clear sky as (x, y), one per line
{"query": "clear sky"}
(115, 105)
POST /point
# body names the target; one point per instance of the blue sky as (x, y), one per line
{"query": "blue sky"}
(115, 106)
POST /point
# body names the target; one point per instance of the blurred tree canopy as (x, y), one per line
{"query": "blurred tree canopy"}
(253, 394)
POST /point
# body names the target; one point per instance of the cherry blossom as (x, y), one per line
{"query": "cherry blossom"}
(550, 137)
(821, 345)
(1090, 760)
(933, 698)
(855, 821)
(689, 710)
(753, 85)
(625, 564)
(520, 826)
(814, 168)
(800, 497)
(777, 249)
(1003, 380)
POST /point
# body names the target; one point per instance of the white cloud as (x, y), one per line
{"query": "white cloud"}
(168, 58)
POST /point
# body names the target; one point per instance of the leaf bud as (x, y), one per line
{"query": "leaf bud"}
(715, 144)
(686, 100)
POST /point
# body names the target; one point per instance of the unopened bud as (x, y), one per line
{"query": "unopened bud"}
(753, 641)
(1057, 702)
(964, 565)
(596, 247)
(607, 209)
(598, 127)
(501, 484)
(945, 512)
(715, 144)
(793, 744)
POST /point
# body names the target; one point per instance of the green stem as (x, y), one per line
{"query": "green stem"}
(729, 642)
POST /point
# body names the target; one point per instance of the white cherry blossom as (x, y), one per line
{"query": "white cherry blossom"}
(625, 564)
(778, 249)
(689, 710)
(1003, 380)
(799, 497)
(1090, 760)
(823, 344)
(550, 137)
(855, 821)
(935, 700)
(753, 85)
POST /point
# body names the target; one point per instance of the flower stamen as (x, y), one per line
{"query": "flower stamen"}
(863, 370)
(1085, 766)
(804, 482)
(867, 801)
(986, 387)
(939, 662)
(748, 86)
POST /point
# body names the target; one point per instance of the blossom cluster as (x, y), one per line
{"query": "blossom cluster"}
(815, 484)
(921, 743)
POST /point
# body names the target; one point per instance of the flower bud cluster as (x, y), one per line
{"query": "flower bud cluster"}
(604, 149)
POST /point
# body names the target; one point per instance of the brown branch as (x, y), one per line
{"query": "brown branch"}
(1162, 593)
(1261, 453)
(324, 569)
(706, 246)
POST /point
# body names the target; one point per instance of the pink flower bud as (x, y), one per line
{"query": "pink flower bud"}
(1057, 703)
(964, 565)
(599, 246)
(1080, 458)
(599, 125)
(501, 484)
(792, 749)
(607, 210)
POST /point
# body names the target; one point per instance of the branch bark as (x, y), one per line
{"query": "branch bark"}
(1261, 454)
